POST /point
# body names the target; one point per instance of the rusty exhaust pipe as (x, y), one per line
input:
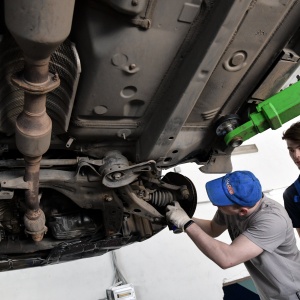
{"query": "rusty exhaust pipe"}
(38, 27)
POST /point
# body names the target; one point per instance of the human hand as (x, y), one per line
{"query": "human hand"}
(176, 215)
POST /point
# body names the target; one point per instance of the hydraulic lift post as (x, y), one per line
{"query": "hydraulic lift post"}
(271, 113)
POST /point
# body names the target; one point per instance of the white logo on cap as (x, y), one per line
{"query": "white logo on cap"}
(229, 187)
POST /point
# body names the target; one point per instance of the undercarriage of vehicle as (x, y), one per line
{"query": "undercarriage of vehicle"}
(99, 97)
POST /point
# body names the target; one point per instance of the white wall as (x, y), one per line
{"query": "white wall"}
(167, 266)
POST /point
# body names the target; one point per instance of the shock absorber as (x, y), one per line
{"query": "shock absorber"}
(161, 197)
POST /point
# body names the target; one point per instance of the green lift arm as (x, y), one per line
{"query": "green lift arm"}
(271, 113)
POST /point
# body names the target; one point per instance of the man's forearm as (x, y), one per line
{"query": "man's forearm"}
(213, 249)
(210, 227)
(225, 256)
(205, 225)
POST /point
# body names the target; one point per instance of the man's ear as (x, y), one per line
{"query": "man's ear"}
(243, 211)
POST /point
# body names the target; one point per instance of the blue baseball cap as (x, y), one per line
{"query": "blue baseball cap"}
(239, 187)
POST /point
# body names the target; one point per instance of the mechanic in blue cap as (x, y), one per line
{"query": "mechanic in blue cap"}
(261, 231)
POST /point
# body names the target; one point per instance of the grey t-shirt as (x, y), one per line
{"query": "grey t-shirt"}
(276, 271)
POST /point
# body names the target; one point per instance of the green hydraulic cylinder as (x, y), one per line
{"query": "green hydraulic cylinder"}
(271, 113)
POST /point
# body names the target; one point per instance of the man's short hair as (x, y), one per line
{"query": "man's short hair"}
(293, 133)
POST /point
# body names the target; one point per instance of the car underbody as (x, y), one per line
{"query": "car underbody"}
(99, 97)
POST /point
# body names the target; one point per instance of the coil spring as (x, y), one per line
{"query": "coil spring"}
(162, 198)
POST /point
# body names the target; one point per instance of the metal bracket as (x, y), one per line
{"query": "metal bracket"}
(16, 183)
(124, 176)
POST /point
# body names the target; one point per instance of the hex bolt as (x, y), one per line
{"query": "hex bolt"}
(55, 77)
(117, 175)
(184, 192)
(108, 198)
(132, 66)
